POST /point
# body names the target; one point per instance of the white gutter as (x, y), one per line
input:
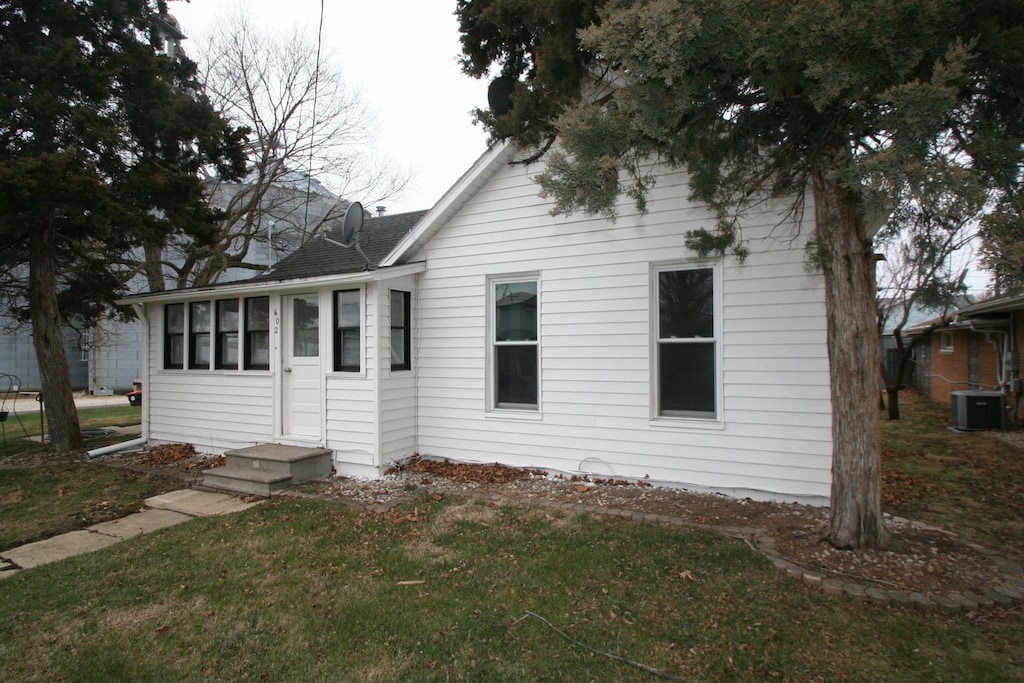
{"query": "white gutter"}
(277, 286)
(143, 439)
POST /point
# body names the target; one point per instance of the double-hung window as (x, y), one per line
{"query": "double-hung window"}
(199, 335)
(515, 345)
(226, 352)
(686, 372)
(174, 336)
(256, 344)
(347, 331)
(401, 319)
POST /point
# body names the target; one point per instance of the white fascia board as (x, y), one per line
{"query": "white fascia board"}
(453, 200)
(278, 287)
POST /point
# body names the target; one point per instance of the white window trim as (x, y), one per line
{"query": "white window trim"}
(492, 409)
(697, 421)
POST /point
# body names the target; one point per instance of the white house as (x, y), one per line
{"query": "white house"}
(487, 330)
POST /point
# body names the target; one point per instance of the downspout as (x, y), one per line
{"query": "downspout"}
(143, 439)
(1000, 347)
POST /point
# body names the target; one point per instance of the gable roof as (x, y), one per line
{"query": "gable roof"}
(496, 156)
(319, 257)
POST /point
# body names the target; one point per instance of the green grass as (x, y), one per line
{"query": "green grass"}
(968, 482)
(310, 590)
(16, 429)
(307, 590)
(65, 493)
(42, 502)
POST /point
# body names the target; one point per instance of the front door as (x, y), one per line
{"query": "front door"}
(302, 397)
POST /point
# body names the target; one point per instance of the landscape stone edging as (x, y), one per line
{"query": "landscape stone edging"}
(1010, 592)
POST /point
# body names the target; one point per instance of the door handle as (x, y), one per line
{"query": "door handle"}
(287, 369)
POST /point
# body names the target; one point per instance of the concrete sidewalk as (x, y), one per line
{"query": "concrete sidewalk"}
(161, 511)
(26, 404)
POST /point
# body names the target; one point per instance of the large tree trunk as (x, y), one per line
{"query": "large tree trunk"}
(153, 266)
(854, 351)
(48, 337)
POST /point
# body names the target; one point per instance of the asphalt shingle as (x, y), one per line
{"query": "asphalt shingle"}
(319, 257)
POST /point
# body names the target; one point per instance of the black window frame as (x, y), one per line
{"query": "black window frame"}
(174, 356)
(199, 338)
(404, 329)
(252, 333)
(224, 335)
(344, 333)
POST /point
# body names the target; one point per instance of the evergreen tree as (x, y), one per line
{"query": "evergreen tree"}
(101, 141)
(1002, 245)
(851, 102)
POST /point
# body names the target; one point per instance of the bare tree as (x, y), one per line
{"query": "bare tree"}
(924, 269)
(310, 151)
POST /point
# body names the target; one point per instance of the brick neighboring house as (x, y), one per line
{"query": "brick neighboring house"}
(976, 348)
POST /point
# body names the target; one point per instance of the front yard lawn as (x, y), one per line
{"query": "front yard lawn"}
(446, 590)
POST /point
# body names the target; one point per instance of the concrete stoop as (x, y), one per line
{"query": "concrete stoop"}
(264, 469)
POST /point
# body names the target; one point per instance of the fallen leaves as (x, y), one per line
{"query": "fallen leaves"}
(465, 472)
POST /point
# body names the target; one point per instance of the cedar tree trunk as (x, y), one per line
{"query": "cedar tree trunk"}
(48, 336)
(854, 350)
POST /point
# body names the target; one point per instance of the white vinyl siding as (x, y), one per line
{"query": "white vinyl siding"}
(216, 410)
(398, 415)
(772, 434)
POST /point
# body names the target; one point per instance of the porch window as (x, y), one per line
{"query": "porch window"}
(687, 344)
(256, 346)
(401, 343)
(515, 345)
(174, 336)
(348, 356)
(227, 335)
(199, 335)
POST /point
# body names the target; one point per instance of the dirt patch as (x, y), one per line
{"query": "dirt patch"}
(916, 559)
(176, 460)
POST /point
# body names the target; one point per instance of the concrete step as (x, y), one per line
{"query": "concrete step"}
(298, 462)
(245, 480)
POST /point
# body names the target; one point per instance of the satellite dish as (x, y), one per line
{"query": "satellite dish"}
(499, 95)
(352, 224)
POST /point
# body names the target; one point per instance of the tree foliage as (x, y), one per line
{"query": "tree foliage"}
(1002, 244)
(851, 102)
(101, 143)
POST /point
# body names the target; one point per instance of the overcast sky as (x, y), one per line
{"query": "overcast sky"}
(402, 54)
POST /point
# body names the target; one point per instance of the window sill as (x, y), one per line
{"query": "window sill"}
(681, 423)
(219, 372)
(513, 415)
(346, 374)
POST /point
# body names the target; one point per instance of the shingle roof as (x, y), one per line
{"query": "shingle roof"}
(319, 257)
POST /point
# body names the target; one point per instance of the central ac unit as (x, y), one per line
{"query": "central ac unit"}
(978, 410)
